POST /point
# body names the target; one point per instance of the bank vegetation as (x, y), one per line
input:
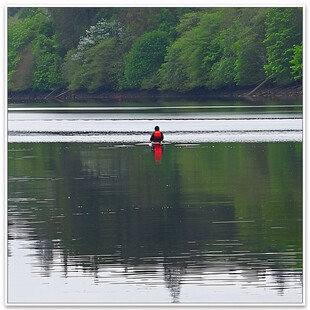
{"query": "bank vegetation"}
(180, 50)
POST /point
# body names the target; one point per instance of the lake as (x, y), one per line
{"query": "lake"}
(96, 216)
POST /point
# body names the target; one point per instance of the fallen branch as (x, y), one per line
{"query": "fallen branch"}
(62, 93)
(257, 87)
(49, 94)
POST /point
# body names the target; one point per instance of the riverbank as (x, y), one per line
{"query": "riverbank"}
(268, 91)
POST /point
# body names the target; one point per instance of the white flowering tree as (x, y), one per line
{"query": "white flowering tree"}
(95, 63)
(103, 30)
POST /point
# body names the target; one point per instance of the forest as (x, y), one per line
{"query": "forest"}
(95, 49)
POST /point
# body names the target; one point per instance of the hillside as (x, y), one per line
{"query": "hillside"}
(93, 51)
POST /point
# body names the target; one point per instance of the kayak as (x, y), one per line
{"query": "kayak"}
(156, 144)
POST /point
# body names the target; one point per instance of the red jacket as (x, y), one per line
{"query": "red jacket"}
(157, 136)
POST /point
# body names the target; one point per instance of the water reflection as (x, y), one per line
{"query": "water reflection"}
(158, 150)
(212, 216)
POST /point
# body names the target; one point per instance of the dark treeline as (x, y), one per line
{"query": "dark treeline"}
(180, 49)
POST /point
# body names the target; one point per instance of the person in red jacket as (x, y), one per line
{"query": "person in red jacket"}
(157, 136)
(156, 139)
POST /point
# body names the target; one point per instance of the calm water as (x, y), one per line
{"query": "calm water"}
(96, 216)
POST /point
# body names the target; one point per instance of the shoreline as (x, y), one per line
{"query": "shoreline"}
(291, 92)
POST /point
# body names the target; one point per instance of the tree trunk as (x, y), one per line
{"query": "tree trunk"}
(62, 93)
(257, 87)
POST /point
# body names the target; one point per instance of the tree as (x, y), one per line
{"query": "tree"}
(145, 48)
(74, 71)
(47, 74)
(297, 62)
(250, 52)
(98, 55)
(103, 63)
(103, 30)
(70, 24)
(283, 32)
(137, 21)
(197, 55)
(221, 69)
(167, 22)
(173, 71)
(144, 58)
(20, 33)
(33, 61)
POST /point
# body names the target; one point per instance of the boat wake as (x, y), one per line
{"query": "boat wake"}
(136, 128)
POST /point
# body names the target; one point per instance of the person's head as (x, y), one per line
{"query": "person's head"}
(156, 128)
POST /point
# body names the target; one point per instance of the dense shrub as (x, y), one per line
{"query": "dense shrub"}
(145, 58)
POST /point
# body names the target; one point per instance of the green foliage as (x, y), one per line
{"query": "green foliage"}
(29, 12)
(13, 11)
(73, 71)
(173, 71)
(168, 48)
(47, 75)
(283, 32)
(145, 58)
(106, 13)
(297, 62)
(22, 77)
(96, 62)
(221, 69)
(138, 21)
(21, 33)
(250, 52)
(70, 24)
(250, 60)
(222, 73)
(196, 51)
(17, 35)
(181, 11)
(103, 30)
(103, 65)
(188, 21)
(167, 22)
(204, 49)
(224, 47)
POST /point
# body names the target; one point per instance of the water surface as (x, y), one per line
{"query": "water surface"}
(204, 220)
(191, 123)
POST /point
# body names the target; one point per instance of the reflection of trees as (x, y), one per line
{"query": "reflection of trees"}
(173, 276)
(46, 256)
(115, 206)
